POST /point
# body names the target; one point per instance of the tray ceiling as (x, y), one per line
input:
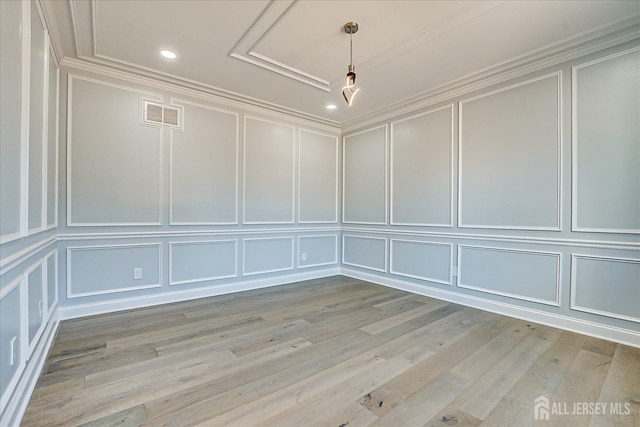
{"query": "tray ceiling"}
(294, 54)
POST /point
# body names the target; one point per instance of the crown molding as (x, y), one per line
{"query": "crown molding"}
(548, 56)
(198, 90)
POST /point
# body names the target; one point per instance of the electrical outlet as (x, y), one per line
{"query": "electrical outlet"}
(137, 273)
(454, 271)
(303, 257)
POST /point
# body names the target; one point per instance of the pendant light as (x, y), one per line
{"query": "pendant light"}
(349, 91)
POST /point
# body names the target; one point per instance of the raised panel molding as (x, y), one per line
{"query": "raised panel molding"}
(32, 341)
(502, 266)
(393, 270)
(173, 132)
(608, 282)
(70, 201)
(361, 263)
(196, 279)
(53, 115)
(425, 166)
(16, 51)
(18, 313)
(318, 236)
(362, 184)
(52, 281)
(509, 193)
(37, 135)
(288, 265)
(70, 252)
(627, 203)
(302, 170)
(266, 194)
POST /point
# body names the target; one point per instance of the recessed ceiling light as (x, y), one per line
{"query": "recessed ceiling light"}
(168, 54)
(331, 106)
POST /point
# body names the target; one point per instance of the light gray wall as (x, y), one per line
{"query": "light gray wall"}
(37, 121)
(422, 168)
(204, 166)
(202, 261)
(114, 163)
(10, 116)
(524, 194)
(545, 196)
(229, 200)
(509, 157)
(605, 144)
(365, 177)
(28, 199)
(318, 178)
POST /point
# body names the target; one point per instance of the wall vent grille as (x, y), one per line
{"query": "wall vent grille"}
(158, 114)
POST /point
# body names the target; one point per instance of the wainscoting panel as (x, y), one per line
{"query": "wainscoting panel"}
(269, 167)
(606, 148)
(422, 168)
(526, 275)
(52, 142)
(37, 121)
(204, 166)
(12, 360)
(202, 261)
(318, 177)
(97, 270)
(113, 161)
(11, 142)
(267, 255)
(421, 260)
(510, 157)
(365, 177)
(36, 288)
(314, 251)
(365, 252)
(606, 286)
(52, 281)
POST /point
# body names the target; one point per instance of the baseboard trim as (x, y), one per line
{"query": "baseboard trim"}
(111, 306)
(21, 395)
(593, 329)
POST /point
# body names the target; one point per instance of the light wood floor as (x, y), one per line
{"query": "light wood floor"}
(328, 352)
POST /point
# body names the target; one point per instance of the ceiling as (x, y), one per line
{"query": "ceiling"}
(294, 53)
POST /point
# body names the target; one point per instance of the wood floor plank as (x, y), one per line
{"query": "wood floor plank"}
(387, 396)
(268, 406)
(129, 417)
(228, 339)
(492, 352)
(454, 416)
(581, 384)
(154, 365)
(98, 402)
(495, 383)
(517, 407)
(405, 315)
(621, 390)
(424, 404)
(188, 330)
(400, 300)
(326, 352)
(338, 397)
(561, 354)
(443, 329)
(94, 361)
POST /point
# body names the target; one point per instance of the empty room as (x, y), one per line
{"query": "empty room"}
(320, 213)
